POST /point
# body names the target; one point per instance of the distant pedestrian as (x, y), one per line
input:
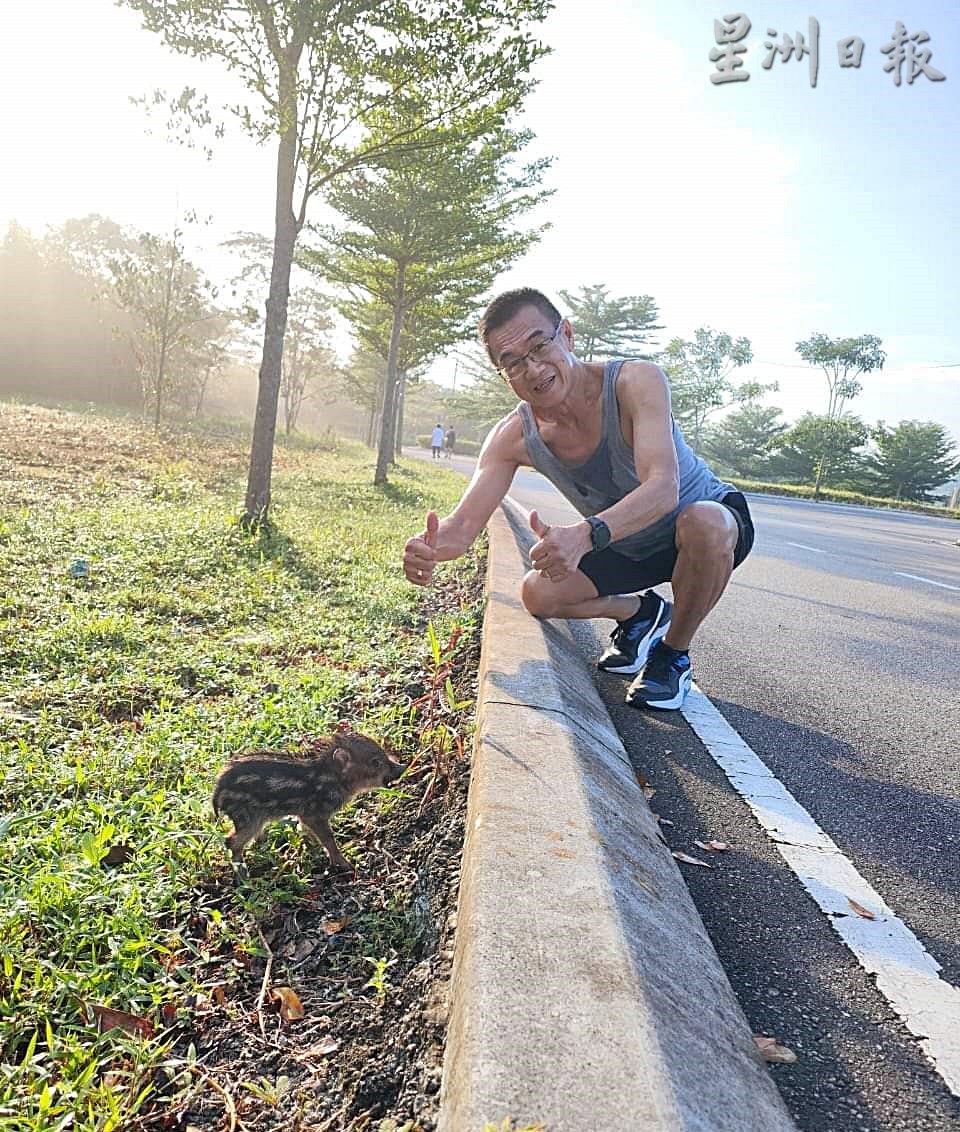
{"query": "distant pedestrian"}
(436, 440)
(450, 441)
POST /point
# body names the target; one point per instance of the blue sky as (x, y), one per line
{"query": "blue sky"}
(766, 208)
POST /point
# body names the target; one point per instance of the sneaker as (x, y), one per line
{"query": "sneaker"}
(664, 681)
(633, 639)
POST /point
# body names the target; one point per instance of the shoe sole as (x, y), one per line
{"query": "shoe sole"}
(664, 705)
(654, 638)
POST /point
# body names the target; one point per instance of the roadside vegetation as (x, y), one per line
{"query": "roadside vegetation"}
(144, 638)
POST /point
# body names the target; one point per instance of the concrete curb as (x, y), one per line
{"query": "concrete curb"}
(586, 995)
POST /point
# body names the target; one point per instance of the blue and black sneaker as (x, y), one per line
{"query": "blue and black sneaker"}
(664, 681)
(633, 639)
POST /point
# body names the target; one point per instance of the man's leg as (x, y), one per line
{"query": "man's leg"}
(575, 597)
(706, 542)
(706, 539)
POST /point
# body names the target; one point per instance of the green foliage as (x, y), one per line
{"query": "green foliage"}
(743, 441)
(913, 458)
(842, 361)
(609, 326)
(699, 376)
(823, 449)
(428, 235)
(127, 686)
(837, 495)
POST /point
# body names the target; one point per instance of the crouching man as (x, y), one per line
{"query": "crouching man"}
(604, 435)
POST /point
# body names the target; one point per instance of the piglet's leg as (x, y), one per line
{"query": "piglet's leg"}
(243, 834)
(320, 828)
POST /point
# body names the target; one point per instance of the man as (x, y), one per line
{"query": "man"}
(436, 441)
(449, 442)
(653, 511)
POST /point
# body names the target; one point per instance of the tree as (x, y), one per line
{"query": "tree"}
(742, 442)
(822, 449)
(309, 363)
(912, 458)
(842, 360)
(699, 376)
(609, 326)
(428, 236)
(168, 300)
(319, 73)
(486, 397)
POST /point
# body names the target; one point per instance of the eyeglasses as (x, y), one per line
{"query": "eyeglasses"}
(536, 353)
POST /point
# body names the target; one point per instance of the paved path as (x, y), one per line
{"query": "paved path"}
(835, 655)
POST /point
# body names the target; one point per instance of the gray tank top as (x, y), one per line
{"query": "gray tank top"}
(610, 473)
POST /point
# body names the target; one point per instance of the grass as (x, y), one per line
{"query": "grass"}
(839, 495)
(143, 639)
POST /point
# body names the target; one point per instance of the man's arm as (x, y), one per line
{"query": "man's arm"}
(644, 398)
(502, 453)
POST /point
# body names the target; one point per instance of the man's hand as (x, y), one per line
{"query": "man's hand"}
(420, 554)
(558, 553)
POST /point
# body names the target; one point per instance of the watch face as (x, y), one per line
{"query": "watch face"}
(599, 534)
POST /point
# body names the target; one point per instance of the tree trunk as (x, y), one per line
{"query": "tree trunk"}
(401, 404)
(387, 425)
(285, 236)
(816, 486)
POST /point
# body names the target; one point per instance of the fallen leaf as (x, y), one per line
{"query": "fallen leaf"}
(297, 950)
(643, 781)
(648, 792)
(662, 821)
(110, 1019)
(860, 910)
(291, 1007)
(691, 860)
(771, 1050)
(324, 1047)
(714, 846)
(331, 927)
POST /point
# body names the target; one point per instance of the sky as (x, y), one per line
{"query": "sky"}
(768, 208)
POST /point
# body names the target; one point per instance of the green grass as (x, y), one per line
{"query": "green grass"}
(838, 495)
(179, 641)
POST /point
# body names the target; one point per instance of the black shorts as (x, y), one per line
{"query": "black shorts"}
(612, 573)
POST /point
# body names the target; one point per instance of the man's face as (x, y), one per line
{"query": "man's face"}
(533, 355)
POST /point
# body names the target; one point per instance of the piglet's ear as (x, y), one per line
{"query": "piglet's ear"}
(341, 756)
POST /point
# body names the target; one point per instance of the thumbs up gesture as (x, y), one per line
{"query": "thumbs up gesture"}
(420, 553)
(558, 551)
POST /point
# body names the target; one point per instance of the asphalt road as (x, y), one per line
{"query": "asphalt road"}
(835, 654)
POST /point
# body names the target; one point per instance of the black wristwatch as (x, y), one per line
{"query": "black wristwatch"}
(599, 533)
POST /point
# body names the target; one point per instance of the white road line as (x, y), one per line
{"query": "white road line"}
(929, 581)
(906, 974)
(815, 549)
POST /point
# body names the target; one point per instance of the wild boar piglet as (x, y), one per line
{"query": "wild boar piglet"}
(311, 784)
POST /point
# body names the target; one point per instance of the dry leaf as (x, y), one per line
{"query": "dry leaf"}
(643, 781)
(324, 1047)
(109, 1019)
(713, 846)
(860, 910)
(331, 927)
(662, 821)
(291, 1007)
(771, 1050)
(648, 792)
(691, 860)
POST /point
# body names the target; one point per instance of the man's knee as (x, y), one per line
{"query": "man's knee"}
(707, 528)
(535, 593)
